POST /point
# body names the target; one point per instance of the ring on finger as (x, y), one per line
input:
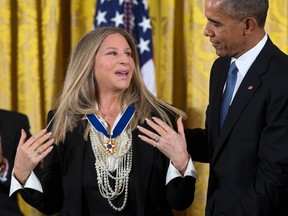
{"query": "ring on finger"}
(157, 138)
(38, 151)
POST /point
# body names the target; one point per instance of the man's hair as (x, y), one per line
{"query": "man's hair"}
(240, 9)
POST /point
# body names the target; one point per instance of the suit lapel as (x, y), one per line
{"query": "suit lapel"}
(73, 168)
(250, 84)
(218, 91)
(142, 163)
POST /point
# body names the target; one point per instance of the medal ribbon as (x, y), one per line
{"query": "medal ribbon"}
(120, 126)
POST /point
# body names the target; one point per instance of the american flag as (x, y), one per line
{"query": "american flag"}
(134, 17)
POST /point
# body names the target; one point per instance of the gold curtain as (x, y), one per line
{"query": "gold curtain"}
(37, 36)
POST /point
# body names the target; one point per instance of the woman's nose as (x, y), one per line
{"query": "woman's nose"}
(124, 59)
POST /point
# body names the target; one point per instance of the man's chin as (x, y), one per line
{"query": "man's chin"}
(220, 53)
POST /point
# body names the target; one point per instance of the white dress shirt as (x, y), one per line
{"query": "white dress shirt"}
(245, 61)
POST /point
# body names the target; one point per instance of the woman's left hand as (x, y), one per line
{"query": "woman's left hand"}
(168, 141)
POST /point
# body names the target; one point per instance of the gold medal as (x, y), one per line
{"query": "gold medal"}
(110, 146)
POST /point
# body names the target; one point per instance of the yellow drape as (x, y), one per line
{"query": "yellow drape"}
(37, 36)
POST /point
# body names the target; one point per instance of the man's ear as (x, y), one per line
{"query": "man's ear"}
(249, 25)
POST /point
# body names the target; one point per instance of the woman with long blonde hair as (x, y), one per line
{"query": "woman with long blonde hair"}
(100, 163)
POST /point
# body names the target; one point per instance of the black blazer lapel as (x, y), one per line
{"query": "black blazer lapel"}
(73, 168)
(217, 81)
(247, 89)
(217, 91)
(142, 159)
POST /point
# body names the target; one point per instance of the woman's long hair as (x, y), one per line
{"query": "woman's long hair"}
(79, 97)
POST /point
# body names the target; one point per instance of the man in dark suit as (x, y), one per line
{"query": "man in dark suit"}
(246, 143)
(11, 124)
(248, 152)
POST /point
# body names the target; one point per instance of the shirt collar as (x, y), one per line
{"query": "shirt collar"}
(245, 61)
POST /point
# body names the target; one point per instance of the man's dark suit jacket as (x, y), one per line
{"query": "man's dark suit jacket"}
(62, 180)
(249, 156)
(11, 124)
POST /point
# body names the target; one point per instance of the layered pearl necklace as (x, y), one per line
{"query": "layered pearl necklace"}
(113, 153)
(105, 163)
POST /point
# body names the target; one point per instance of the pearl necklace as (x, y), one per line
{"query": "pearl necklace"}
(119, 161)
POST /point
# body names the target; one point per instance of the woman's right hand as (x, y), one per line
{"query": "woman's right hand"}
(30, 153)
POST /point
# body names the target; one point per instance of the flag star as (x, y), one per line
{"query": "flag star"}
(101, 17)
(144, 2)
(118, 19)
(145, 24)
(121, 2)
(135, 2)
(143, 45)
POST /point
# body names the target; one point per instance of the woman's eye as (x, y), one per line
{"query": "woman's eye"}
(129, 54)
(112, 53)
